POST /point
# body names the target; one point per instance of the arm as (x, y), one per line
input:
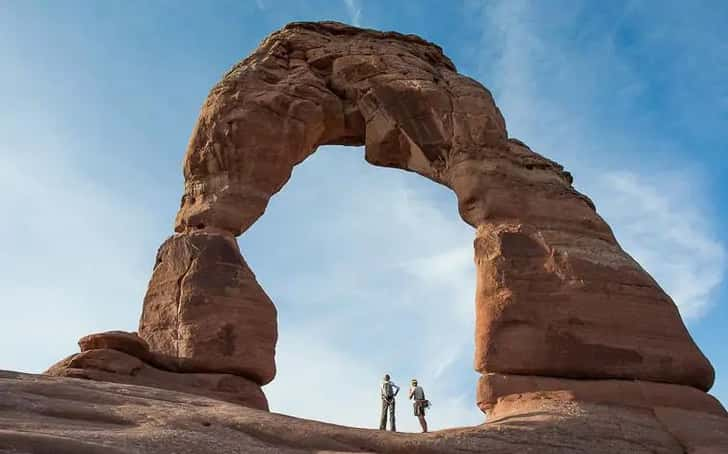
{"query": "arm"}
(411, 393)
(396, 389)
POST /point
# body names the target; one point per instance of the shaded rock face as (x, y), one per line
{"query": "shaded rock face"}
(556, 294)
(500, 394)
(205, 312)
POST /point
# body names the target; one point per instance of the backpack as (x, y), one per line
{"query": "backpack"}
(388, 390)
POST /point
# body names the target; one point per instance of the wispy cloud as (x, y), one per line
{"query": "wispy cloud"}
(376, 277)
(567, 88)
(354, 9)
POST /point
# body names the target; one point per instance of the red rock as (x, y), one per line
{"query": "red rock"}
(552, 301)
(205, 312)
(122, 341)
(119, 367)
(500, 394)
(52, 414)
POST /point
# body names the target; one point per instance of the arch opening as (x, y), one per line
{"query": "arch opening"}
(371, 272)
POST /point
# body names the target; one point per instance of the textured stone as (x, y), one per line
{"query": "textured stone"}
(499, 394)
(205, 312)
(565, 303)
(556, 294)
(62, 415)
(119, 367)
(122, 341)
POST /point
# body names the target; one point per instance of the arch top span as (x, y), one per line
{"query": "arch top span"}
(556, 296)
(313, 84)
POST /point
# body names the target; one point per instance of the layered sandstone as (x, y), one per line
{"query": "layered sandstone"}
(500, 394)
(121, 357)
(68, 416)
(204, 310)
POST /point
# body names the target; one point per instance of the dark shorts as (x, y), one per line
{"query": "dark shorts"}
(419, 406)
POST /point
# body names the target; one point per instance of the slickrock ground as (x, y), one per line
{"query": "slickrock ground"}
(50, 415)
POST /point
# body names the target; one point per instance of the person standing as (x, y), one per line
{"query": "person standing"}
(417, 394)
(388, 391)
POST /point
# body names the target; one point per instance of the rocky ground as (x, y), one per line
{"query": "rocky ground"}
(41, 414)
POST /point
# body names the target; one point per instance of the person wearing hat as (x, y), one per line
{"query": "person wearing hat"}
(417, 394)
(388, 391)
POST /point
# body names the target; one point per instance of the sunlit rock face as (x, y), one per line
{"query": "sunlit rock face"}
(564, 316)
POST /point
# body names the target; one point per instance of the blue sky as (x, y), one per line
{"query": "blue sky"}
(370, 268)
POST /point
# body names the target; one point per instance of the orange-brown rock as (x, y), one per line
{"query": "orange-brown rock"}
(119, 367)
(565, 303)
(556, 294)
(205, 312)
(499, 394)
(122, 341)
(41, 414)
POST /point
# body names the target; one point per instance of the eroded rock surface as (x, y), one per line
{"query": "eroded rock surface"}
(500, 393)
(108, 357)
(69, 416)
(205, 312)
(122, 341)
(108, 365)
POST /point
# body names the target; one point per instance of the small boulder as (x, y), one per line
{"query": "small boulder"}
(122, 341)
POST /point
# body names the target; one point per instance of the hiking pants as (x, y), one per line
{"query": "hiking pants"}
(387, 405)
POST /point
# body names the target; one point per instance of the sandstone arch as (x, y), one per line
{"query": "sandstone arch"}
(556, 295)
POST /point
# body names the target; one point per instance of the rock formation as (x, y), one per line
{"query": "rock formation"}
(563, 313)
(204, 310)
(121, 357)
(54, 415)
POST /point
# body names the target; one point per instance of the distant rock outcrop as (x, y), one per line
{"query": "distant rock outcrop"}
(564, 316)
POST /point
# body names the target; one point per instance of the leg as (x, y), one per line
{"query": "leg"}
(423, 423)
(383, 417)
(391, 416)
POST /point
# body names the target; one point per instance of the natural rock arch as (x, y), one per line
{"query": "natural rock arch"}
(556, 295)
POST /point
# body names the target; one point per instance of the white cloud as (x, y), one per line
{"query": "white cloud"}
(354, 9)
